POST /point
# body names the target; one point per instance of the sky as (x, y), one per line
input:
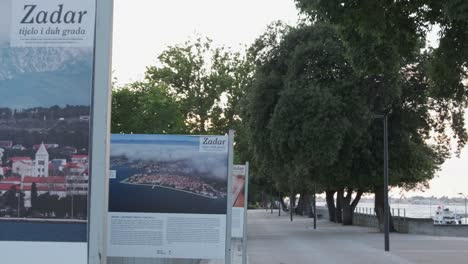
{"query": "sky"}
(5, 21)
(142, 31)
(161, 150)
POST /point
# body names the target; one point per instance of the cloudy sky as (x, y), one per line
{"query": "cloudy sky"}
(143, 30)
(5, 20)
(180, 148)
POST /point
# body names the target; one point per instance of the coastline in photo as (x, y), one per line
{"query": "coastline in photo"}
(165, 176)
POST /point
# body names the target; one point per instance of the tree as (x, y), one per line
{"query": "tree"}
(310, 120)
(383, 41)
(303, 105)
(145, 108)
(385, 37)
(10, 198)
(206, 81)
(34, 196)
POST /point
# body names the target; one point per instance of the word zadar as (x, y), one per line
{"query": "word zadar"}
(33, 15)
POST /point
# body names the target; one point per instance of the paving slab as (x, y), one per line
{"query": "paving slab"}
(276, 240)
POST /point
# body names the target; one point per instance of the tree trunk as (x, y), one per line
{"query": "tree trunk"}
(349, 205)
(379, 208)
(300, 205)
(285, 208)
(279, 204)
(292, 201)
(338, 210)
(331, 205)
(309, 211)
(264, 203)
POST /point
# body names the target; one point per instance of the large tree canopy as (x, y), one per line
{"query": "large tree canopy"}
(206, 81)
(311, 118)
(145, 108)
(423, 89)
(194, 88)
(384, 37)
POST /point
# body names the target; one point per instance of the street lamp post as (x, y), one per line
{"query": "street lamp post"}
(386, 209)
(465, 197)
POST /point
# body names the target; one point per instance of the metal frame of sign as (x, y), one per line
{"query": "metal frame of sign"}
(246, 198)
(100, 137)
(227, 258)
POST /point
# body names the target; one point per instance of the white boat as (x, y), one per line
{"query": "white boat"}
(444, 216)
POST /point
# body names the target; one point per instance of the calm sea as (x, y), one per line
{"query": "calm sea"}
(413, 210)
(149, 199)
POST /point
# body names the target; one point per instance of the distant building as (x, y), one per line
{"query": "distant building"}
(70, 150)
(47, 146)
(22, 165)
(80, 159)
(75, 180)
(77, 184)
(41, 163)
(52, 184)
(1, 156)
(6, 144)
(18, 147)
(58, 164)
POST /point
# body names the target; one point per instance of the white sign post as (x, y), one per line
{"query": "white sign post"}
(100, 140)
(240, 197)
(246, 202)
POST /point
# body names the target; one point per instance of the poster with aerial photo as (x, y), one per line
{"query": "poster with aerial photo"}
(46, 72)
(166, 174)
(168, 196)
(238, 199)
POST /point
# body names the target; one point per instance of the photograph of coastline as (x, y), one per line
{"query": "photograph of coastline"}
(166, 174)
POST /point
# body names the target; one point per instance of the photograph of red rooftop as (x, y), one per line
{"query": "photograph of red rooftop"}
(238, 185)
(43, 187)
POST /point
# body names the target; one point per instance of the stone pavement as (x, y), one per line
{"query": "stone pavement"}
(276, 240)
(236, 257)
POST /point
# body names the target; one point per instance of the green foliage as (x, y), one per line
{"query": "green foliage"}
(302, 105)
(206, 81)
(384, 37)
(145, 108)
(310, 117)
(10, 198)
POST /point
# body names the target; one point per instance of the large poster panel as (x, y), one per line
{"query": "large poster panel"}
(46, 72)
(238, 198)
(168, 196)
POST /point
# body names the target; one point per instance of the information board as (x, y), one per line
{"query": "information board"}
(238, 199)
(46, 84)
(168, 196)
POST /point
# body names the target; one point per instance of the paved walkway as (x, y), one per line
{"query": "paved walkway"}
(276, 240)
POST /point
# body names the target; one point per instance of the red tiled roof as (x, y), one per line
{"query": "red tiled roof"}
(11, 179)
(79, 156)
(43, 188)
(50, 179)
(19, 158)
(7, 186)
